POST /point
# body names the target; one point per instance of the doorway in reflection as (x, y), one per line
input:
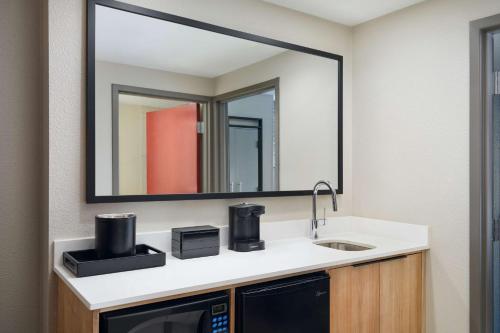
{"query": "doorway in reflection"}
(157, 142)
(252, 145)
(245, 154)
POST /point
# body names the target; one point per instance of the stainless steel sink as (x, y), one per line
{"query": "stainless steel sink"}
(344, 246)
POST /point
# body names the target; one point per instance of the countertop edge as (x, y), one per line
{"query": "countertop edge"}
(61, 272)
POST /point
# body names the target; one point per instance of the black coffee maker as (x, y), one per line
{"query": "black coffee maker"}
(244, 227)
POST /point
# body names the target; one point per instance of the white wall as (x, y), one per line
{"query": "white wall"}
(20, 163)
(69, 215)
(132, 156)
(410, 137)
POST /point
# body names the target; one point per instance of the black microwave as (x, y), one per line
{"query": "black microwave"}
(200, 314)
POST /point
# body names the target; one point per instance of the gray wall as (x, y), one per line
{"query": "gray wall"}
(20, 159)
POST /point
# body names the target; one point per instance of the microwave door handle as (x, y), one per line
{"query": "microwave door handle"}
(203, 324)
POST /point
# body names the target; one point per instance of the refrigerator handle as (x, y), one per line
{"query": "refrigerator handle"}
(279, 290)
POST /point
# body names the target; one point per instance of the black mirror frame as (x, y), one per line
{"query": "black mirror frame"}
(90, 86)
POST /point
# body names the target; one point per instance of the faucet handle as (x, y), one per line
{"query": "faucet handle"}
(324, 217)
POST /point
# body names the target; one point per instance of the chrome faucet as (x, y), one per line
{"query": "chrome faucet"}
(314, 221)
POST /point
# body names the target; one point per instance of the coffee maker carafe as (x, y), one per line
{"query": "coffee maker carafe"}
(244, 227)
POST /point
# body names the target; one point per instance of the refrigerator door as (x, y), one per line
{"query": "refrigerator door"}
(296, 305)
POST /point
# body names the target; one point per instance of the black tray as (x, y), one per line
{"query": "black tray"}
(86, 263)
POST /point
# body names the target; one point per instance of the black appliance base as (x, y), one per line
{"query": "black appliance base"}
(247, 246)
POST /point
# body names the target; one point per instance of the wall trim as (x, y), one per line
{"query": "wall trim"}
(480, 258)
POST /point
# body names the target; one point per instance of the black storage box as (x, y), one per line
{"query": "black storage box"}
(194, 242)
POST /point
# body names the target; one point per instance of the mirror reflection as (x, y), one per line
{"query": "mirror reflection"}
(180, 110)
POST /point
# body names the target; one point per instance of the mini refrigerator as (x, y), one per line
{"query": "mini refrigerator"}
(294, 305)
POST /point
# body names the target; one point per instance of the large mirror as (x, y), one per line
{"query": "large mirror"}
(180, 109)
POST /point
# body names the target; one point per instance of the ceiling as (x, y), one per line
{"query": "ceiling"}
(348, 12)
(131, 39)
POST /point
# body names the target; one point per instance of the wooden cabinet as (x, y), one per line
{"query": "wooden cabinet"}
(354, 304)
(401, 295)
(380, 297)
(72, 315)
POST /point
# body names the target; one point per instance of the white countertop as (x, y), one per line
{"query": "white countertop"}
(288, 251)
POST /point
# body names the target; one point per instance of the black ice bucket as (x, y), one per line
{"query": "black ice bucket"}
(115, 235)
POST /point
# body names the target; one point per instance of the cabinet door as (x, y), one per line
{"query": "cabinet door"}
(401, 295)
(354, 293)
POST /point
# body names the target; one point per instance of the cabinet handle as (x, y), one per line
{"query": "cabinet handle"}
(382, 260)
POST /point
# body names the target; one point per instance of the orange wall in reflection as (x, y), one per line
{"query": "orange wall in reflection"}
(172, 150)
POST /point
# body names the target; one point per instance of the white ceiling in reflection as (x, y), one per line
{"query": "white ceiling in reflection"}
(137, 40)
(348, 12)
